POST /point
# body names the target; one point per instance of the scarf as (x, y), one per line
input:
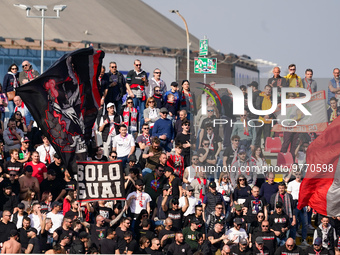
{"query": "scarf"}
(286, 203)
(29, 74)
(202, 191)
(130, 118)
(266, 105)
(15, 82)
(333, 115)
(141, 87)
(308, 85)
(48, 156)
(245, 129)
(22, 110)
(184, 101)
(147, 139)
(156, 96)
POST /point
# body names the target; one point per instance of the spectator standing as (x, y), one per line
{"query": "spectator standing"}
(124, 144)
(280, 224)
(179, 246)
(268, 236)
(327, 233)
(116, 89)
(10, 83)
(187, 100)
(173, 90)
(159, 102)
(277, 81)
(130, 116)
(184, 138)
(269, 188)
(39, 168)
(334, 86)
(293, 80)
(154, 182)
(33, 243)
(289, 248)
(217, 237)
(179, 122)
(308, 82)
(136, 81)
(56, 216)
(151, 113)
(333, 111)
(46, 151)
(156, 81)
(230, 153)
(242, 190)
(27, 74)
(316, 248)
(13, 164)
(163, 129)
(6, 226)
(12, 136)
(211, 199)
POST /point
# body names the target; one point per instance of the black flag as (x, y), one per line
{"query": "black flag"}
(64, 102)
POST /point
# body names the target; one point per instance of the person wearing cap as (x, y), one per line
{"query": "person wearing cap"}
(208, 120)
(138, 200)
(52, 184)
(124, 144)
(289, 248)
(191, 234)
(24, 152)
(174, 181)
(46, 151)
(13, 164)
(179, 246)
(211, 199)
(237, 212)
(217, 237)
(246, 133)
(268, 237)
(115, 89)
(173, 90)
(33, 243)
(243, 166)
(57, 166)
(241, 248)
(316, 248)
(259, 247)
(189, 190)
(132, 163)
(217, 215)
(109, 127)
(236, 233)
(174, 211)
(12, 246)
(159, 215)
(163, 129)
(280, 223)
(327, 233)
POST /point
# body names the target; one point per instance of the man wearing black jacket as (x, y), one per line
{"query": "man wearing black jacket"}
(179, 247)
(109, 126)
(79, 246)
(268, 236)
(279, 223)
(289, 248)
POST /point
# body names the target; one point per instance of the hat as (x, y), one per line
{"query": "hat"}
(174, 201)
(55, 203)
(51, 172)
(83, 234)
(166, 186)
(56, 155)
(259, 240)
(13, 232)
(241, 150)
(164, 110)
(190, 188)
(212, 185)
(243, 241)
(33, 230)
(196, 221)
(238, 207)
(139, 182)
(318, 241)
(279, 204)
(133, 158)
(253, 84)
(175, 84)
(25, 139)
(109, 105)
(29, 168)
(238, 221)
(21, 206)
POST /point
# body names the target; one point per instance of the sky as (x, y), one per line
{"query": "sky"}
(302, 32)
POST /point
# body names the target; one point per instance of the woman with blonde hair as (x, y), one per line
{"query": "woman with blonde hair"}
(225, 188)
(151, 113)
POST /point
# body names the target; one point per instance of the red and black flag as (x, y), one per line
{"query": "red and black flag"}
(64, 102)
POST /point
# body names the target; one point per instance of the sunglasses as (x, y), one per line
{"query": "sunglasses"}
(12, 175)
(152, 101)
(24, 66)
(210, 110)
(219, 208)
(241, 180)
(157, 72)
(130, 102)
(195, 159)
(138, 64)
(186, 125)
(157, 90)
(14, 68)
(113, 66)
(265, 226)
(146, 128)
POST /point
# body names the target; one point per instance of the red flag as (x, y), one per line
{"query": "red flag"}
(320, 189)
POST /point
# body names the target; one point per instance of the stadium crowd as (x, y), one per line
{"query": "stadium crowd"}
(173, 204)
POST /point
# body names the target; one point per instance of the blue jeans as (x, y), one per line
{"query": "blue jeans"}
(10, 109)
(165, 145)
(124, 160)
(137, 102)
(301, 218)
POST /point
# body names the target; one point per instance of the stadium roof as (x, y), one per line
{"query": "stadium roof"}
(115, 22)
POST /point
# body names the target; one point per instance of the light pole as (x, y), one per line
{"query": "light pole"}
(188, 42)
(42, 9)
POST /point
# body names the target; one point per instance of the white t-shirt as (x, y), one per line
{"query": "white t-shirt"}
(123, 144)
(57, 220)
(35, 221)
(191, 208)
(234, 232)
(294, 188)
(42, 150)
(140, 201)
